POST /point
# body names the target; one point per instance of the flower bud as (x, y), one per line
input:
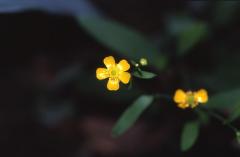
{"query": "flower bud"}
(143, 61)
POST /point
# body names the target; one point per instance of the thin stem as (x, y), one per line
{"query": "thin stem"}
(221, 119)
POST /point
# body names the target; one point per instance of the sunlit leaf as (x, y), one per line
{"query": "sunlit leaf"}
(131, 114)
(123, 40)
(189, 135)
(190, 36)
(144, 74)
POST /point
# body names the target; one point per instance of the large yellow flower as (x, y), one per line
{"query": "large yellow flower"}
(189, 98)
(115, 73)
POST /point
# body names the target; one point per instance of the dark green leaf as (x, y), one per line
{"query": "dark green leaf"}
(131, 114)
(126, 42)
(189, 135)
(203, 116)
(223, 100)
(144, 74)
(190, 36)
(175, 24)
(235, 114)
(225, 11)
(238, 136)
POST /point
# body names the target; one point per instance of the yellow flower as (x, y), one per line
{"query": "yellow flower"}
(115, 73)
(189, 98)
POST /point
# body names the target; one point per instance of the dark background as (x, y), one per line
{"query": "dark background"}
(52, 105)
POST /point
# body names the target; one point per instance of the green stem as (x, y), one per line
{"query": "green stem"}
(139, 70)
(221, 119)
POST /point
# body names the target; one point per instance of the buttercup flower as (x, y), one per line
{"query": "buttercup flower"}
(189, 98)
(115, 73)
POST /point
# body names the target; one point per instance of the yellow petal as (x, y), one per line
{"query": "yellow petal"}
(102, 73)
(124, 77)
(183, 105)
(180, 96)
(123, 65)
(113, 84)
(201, 96)
(109, 61)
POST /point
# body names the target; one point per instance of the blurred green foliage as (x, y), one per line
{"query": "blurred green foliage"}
(235, 113)
(225, 11)
(190, 36)
(238, 137)
(189, 32)
(131, 114)
(224, 100)
(125, 41)
(189, 135)
(214, 65)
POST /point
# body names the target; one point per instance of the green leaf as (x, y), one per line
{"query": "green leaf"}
(190, 36)
(224, 100)
(234, 115)
(225, 12)
(125, 41)
(144, 74)
(189, 135)
(203, 116)
(131, 114)
(238, 136)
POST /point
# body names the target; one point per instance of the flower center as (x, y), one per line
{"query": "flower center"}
(114, 72)
(190, 99)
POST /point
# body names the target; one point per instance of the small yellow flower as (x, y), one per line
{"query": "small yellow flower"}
(189, 98)
(115, 73)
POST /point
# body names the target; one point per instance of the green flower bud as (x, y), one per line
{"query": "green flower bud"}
(143, 61)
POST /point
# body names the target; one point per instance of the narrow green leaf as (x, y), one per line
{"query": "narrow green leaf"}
(144, 74)
(189, 135)
(224, 100)
(123, 40)
(131, 114)
(190, 36)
